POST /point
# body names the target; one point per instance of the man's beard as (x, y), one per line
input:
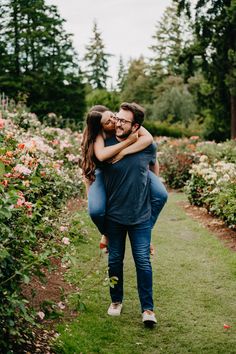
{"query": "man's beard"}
(124, 135)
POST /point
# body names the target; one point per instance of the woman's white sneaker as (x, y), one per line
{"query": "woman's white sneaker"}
(115, 309)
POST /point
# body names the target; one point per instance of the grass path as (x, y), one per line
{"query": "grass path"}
(194, 293)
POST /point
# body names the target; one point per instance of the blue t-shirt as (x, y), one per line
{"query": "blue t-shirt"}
(127, 186)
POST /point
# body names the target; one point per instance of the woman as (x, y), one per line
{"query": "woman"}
(101, 125)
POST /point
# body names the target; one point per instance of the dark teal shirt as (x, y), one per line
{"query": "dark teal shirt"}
(127, 186)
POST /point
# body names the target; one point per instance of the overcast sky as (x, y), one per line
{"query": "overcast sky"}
(127, 26)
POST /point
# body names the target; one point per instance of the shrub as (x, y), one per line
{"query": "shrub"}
(38, 172)
(176, 158)
(167, 129)
(215, 152)
(213, 185)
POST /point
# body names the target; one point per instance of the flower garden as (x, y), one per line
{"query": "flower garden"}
(205, 170)
(39, 173)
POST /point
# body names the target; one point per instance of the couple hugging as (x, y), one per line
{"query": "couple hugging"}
(125, 195)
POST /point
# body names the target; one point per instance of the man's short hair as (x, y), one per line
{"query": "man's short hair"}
(136, 109)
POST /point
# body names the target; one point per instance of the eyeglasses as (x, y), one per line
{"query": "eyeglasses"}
(122, 121)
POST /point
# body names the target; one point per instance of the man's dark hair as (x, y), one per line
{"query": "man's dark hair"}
(136, 109)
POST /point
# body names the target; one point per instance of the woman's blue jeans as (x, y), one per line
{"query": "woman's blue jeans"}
(140, 237)
(97, 199)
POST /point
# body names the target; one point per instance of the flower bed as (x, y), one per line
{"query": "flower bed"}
(207, 170)
(39, 171)
(213, 185)
(176, 157)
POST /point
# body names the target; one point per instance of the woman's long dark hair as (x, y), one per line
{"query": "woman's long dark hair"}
(91, 131)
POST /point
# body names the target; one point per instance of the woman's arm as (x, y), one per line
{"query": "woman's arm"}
(103, 152)
(144, 140)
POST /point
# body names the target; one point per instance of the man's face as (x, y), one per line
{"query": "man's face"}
(124, 124)
(108, 121)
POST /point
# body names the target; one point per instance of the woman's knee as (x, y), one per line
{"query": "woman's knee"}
(96, 213)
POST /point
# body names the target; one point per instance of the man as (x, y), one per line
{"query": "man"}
(129, 211)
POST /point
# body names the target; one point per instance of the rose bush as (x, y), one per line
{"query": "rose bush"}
(39, 172)
(213, 185)
(176, 157)
(207, 169)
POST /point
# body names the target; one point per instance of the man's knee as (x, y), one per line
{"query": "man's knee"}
(142, 261)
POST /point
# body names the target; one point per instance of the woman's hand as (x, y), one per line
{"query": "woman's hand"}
(118, 157)
(133, 137)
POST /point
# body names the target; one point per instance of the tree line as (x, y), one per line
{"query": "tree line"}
(189, 79)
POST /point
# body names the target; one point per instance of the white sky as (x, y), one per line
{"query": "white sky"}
(127, 26)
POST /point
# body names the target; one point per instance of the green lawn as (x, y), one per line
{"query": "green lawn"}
(194, 294)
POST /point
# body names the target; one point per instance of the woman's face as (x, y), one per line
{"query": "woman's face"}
(108, 121)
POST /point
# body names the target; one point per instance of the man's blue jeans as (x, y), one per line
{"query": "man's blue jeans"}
(140, 237)
(97, 199)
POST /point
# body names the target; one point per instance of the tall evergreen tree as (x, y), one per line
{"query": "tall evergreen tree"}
(215, 29)
(39, 58)
(137, 82)
(96, 60)
(172, 32)
(122, 72)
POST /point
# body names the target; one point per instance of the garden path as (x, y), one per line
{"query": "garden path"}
(194, 292)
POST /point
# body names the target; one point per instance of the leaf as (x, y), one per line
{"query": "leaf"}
(2, 169)
(5, 213)
(113, 281)
(26, 279)
(36, 180)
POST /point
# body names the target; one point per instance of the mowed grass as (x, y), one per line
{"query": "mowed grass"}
(194, 292)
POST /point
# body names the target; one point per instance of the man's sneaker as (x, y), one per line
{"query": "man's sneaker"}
(149, 318)
(115, 309)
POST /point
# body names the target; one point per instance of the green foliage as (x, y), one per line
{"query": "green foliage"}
(110, 99)
(136, 84)
(172, 34)
(39, 59)
(214, 26)
(96, 60)
(217, 152)
(222, 204)
(196, 190)
(176, 158)
(122, 72)
(167, 129)
(207, 170)
(38, 173)
(173, 100)
(212, 182)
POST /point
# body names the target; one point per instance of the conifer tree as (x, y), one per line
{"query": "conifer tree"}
(215, 30)
(137, 82)
(39, 59)
(122, 72)
(172, 32)
(96, 60)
